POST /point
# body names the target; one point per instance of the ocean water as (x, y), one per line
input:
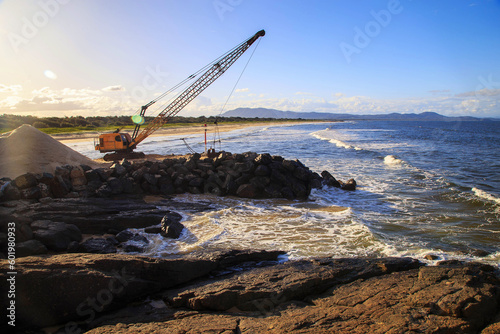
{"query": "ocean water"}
(423, 188)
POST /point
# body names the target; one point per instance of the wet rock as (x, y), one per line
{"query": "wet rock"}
(247, 191)
(23, 232)
(30, 247)
(349, 185)
(113, 240)
(124, 235)
(479, 253)
(55, 235)
(329, 180)
(131, 248)
(73, 247)
(93, 216)
(98, 246)
(139, 238)
(153, 230)
(171, 226)
(431, 257)
(315, 184)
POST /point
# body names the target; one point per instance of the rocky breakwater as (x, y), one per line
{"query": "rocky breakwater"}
(250, 292)
(89, 225)
(248, 175)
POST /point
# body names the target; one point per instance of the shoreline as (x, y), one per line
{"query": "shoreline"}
(183, 130)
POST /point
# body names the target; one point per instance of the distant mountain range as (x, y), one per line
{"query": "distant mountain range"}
(273, 113)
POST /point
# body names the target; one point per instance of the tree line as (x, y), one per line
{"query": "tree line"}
(9, 122)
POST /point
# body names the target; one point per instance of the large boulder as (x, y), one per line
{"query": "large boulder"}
(171, 226)
(55, 235)
(24, 181)
(29, 248)
(247, 191)
(97, 245)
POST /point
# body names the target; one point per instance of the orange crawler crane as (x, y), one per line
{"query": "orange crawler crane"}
(122, 145)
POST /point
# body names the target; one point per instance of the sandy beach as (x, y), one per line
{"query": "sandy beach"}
(179, 130)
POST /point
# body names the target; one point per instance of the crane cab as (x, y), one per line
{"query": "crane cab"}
(112, 142)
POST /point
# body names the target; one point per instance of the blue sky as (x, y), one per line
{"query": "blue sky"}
(92, 57)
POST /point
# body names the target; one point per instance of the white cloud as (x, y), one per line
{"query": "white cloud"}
(113, 88)
(481, 92)
(241, 90)
(13, 89)
(115, 100)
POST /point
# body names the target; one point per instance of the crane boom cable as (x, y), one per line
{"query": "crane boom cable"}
(194, 75)
(217, 133)
(214, 72)
(142, 110)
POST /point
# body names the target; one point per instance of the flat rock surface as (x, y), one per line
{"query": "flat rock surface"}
(93, 216)
(55, 289)
(249, 292)
(402, 298)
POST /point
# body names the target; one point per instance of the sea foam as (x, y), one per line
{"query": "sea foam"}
(486, 195)
(391, 160)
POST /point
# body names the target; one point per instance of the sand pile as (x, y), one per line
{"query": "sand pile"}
(27, 149)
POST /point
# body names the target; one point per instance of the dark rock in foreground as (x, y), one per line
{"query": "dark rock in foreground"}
(386, 295)
(56, 289)
(171, 226)
(40, 228)
(90, 215)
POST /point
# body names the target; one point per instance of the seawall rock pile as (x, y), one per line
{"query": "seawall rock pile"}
(247, 175)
